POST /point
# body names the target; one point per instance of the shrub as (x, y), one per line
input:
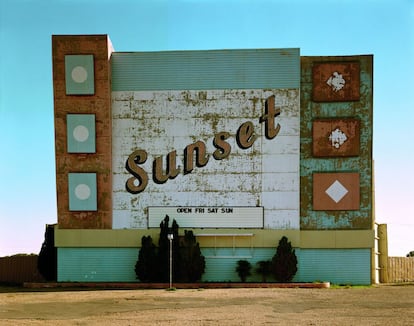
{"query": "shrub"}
(243, 269)
(146, 268)
(264, 268)
(191, 260)
(153, 263)
(284, 262)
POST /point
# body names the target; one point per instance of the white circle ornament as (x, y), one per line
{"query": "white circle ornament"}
(82, 191)
(79, 74)
(80, 133)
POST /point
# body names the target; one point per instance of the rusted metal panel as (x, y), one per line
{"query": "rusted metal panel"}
(335, 137)
(336, 191)
(19, 269)
(336, 110)
(335, 81)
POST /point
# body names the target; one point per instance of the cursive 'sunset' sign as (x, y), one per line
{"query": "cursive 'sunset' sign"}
(245, 138)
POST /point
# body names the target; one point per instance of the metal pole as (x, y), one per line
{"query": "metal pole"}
(171, 237)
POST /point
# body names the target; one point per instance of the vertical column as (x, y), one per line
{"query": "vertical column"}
(83, 132)
(383, 253)
(336, 143)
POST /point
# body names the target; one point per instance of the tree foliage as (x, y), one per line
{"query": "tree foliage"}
(264, 268)
(47, 260)
(243, 269)
(284, 262)
(153, 263)
(192, 261)
(146, 268)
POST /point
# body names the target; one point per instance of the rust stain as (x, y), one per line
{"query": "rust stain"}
(335, 82)
(350, 112)
(335, 137)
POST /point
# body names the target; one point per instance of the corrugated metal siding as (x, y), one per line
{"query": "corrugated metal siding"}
(19, 269)
(218, 69)
(221, 263)
(339, 266)
(97, 264)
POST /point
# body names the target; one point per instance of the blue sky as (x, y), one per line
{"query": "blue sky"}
(325, 27)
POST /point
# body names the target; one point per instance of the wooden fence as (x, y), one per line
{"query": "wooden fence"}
(400, 269)
(19, 269)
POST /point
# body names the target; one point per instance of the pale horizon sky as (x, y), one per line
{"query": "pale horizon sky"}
(383, 28)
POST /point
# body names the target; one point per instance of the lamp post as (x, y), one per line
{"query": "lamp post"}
(170, 238)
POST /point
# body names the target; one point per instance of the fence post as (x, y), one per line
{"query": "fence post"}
(383, 252)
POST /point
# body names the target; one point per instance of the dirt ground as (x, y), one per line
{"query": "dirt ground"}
(379, 305)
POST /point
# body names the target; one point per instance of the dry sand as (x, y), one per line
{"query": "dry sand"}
(379, 305)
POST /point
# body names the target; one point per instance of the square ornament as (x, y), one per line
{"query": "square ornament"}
(336, 191)
(82, 192)
(336, 82)
(336, 137)
(79, 74)
(81, 133)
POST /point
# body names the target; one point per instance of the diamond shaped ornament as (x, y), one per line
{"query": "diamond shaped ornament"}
(336, 191)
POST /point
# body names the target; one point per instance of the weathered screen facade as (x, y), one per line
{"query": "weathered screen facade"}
(240, 146)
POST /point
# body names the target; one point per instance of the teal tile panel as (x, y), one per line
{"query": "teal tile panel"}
(338, 266)
(221, 263)
(97, 264)
(81, 133)
(82, 192)
(217, 69)
(79, 74)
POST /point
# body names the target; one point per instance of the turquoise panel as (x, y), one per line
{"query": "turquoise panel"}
(338, 266)
(81, 133)
(97, 264)
(219, 69)
(82, 191)
(221, 263)
(79, 75)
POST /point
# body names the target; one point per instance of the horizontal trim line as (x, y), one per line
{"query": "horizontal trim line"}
(261, 238)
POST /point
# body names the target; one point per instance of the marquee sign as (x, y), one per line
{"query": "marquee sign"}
(204, 217)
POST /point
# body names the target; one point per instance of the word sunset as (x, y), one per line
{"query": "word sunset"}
(245, 138)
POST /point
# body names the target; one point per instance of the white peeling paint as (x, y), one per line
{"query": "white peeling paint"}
(267, 174)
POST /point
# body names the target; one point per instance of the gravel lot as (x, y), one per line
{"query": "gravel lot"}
(378, 305)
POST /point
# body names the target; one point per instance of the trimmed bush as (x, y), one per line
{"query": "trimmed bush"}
(192, 261)
(243, 269)
(153, 263)
(284, 262)
(146, 268)
(264, 268)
